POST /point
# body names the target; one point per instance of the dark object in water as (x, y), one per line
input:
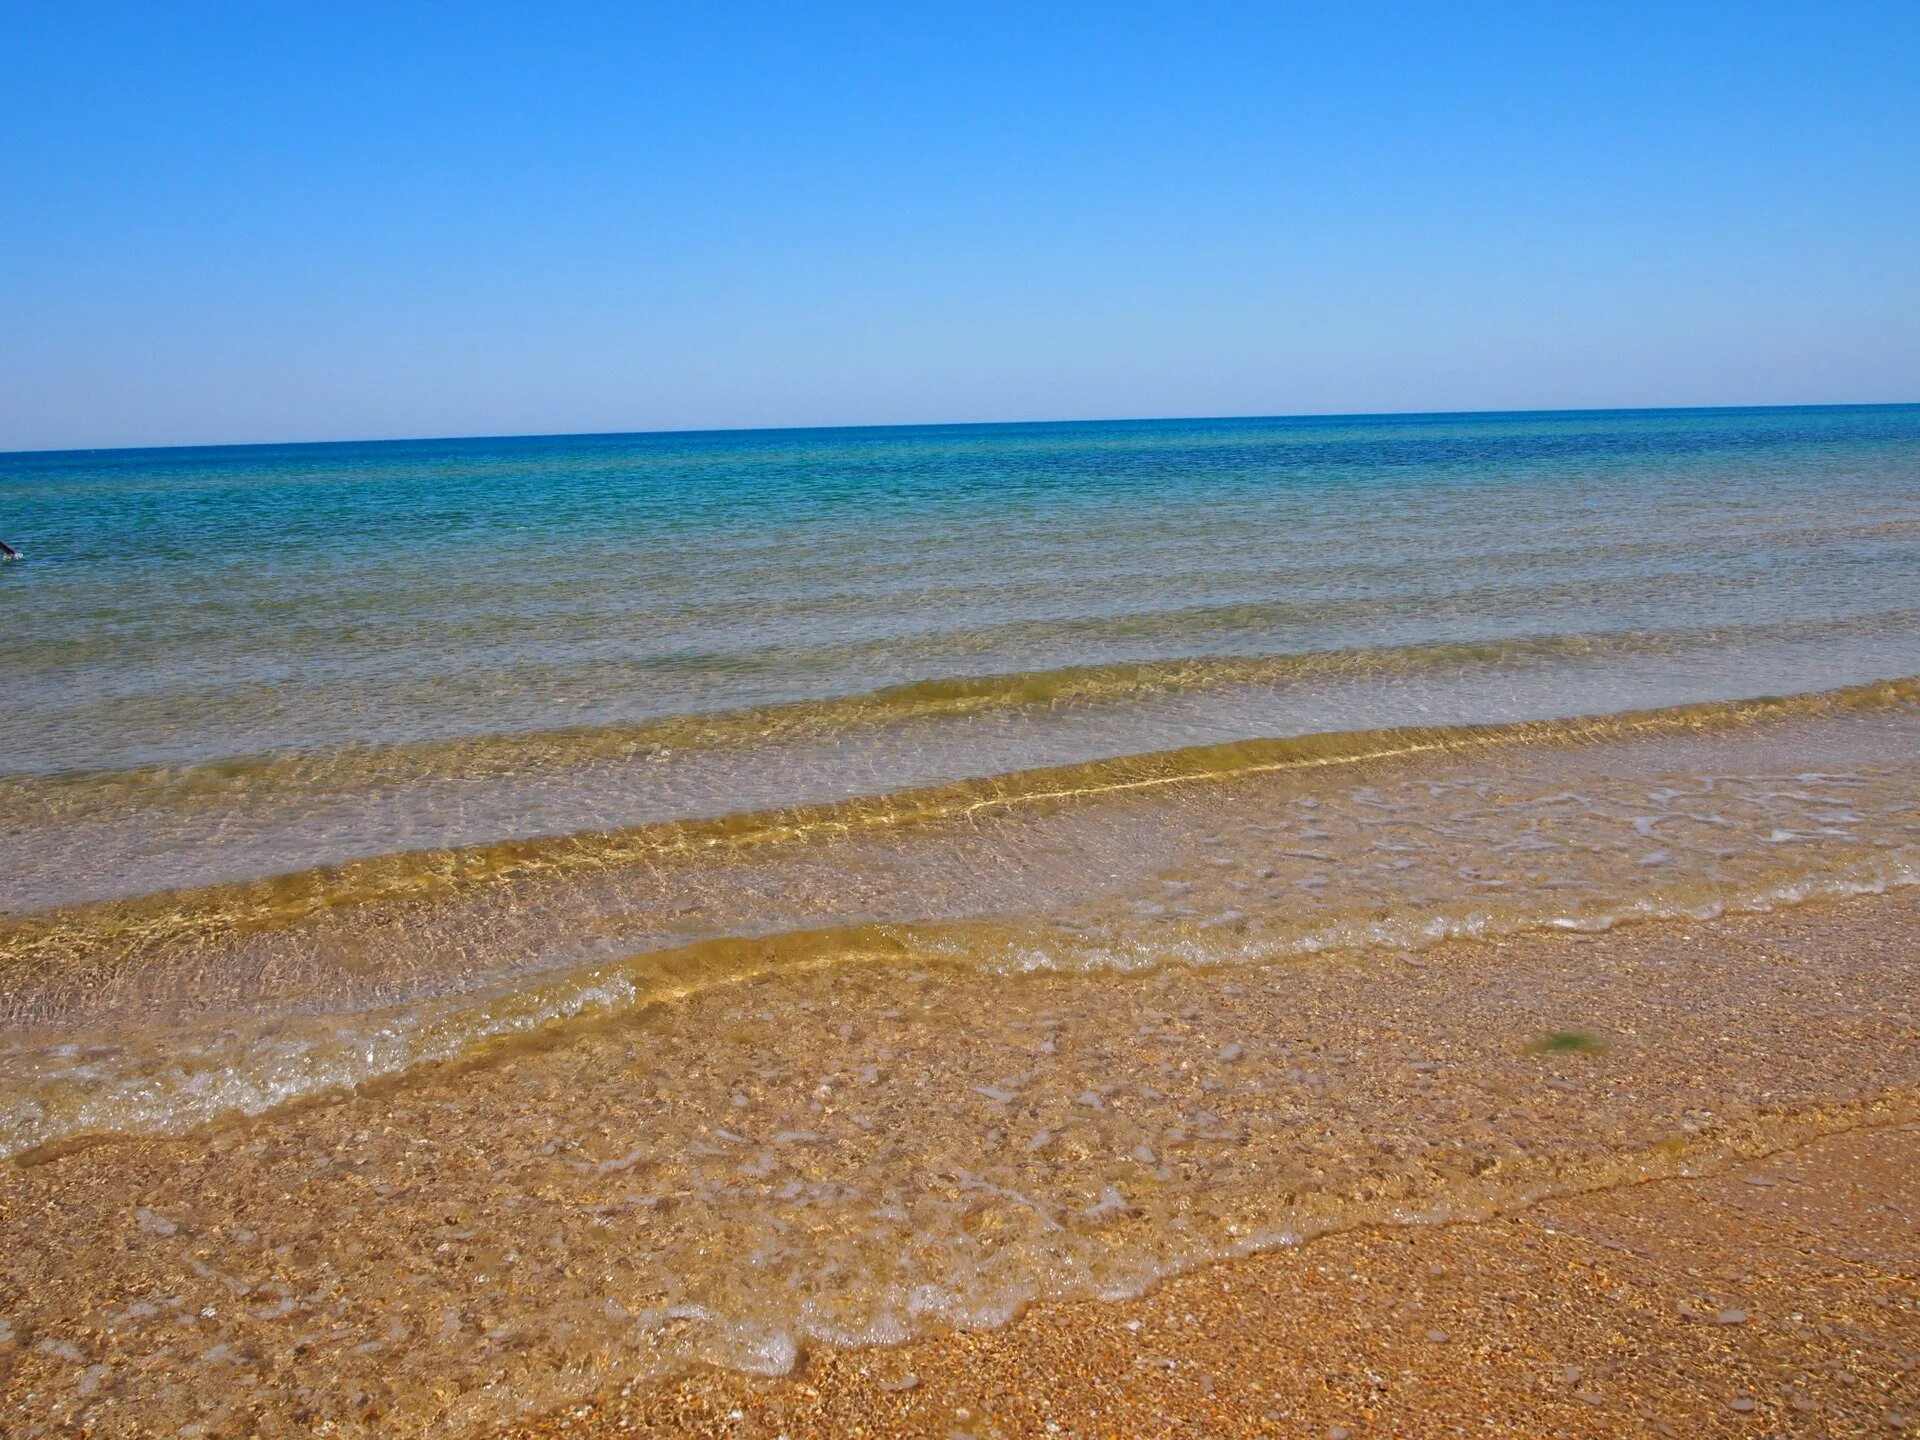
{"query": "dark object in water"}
(8, 552)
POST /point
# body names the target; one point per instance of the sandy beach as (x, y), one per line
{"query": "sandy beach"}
(1723, 1241)
(1778, 1296)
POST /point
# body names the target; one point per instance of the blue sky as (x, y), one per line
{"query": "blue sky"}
(265, 222)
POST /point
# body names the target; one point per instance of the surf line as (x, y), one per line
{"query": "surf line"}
(414, 875)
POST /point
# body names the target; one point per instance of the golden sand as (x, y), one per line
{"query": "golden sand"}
(1781, 1297)
(431, 1257)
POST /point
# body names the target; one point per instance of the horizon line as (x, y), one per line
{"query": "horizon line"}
(955, 425)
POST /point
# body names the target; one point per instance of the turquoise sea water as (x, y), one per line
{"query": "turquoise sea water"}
(188, 605)
(449, 666)
(504, 611)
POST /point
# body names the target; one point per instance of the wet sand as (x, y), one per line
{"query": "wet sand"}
(1777, 1294)
(1779, 1297)
(765, 1166)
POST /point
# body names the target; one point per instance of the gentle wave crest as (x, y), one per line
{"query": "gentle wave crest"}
(1241, 854)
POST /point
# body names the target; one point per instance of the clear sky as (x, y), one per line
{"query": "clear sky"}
(313, 221)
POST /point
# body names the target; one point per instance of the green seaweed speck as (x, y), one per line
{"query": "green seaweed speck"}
(1583, 1042)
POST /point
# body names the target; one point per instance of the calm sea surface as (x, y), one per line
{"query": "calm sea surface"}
(455, 637)
(717, 892)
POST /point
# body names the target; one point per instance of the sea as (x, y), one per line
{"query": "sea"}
(483, 919)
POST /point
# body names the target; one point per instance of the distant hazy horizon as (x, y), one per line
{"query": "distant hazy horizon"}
(747, 431)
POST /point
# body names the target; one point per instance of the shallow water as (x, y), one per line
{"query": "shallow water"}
(479, 920)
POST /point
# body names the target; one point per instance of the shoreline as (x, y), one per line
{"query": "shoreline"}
(503, 1240)
(1778, 1296)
